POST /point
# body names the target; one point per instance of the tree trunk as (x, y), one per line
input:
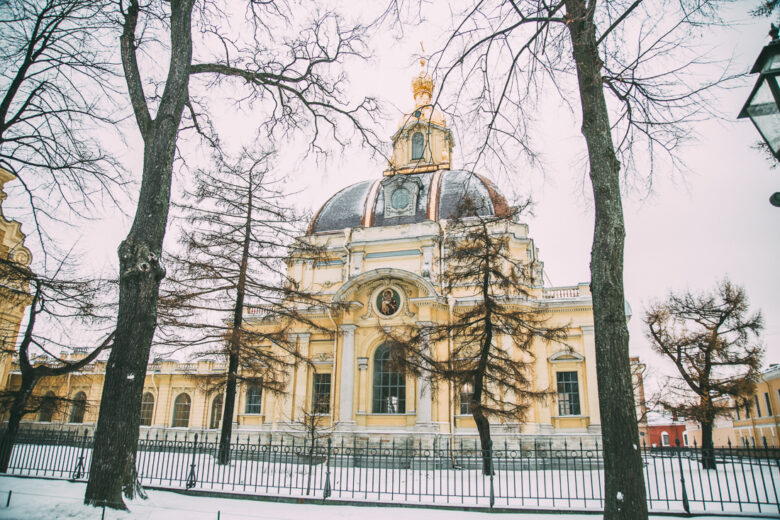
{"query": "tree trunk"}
(234, 346)
(227, 413)
(707, 447)
(483, 427)
(14, 418)
(116, 437)
(482, 422)
(624, 482)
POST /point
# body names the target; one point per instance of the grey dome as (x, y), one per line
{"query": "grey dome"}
(363, 204)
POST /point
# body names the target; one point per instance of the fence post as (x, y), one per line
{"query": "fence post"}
(79, 471)
(192, 477)
(326, 490)
(686, 505)
(492, 472)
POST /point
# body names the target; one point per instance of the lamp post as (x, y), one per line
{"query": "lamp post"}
(763, 104)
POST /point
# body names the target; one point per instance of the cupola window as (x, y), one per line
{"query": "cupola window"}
(418, 146)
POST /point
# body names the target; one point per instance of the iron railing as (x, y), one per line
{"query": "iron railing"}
(540, 476)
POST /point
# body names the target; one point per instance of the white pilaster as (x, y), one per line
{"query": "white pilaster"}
(424, 394)
(589, 342)
(347, 377)
(301, 371)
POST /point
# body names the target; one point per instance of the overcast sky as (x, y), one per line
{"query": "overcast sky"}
(694, 228)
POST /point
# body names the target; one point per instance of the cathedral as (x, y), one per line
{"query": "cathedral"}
(382, 263)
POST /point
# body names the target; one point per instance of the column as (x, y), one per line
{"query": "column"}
(301, 372)
(363, 390)
(423, 382)
(347, 376)
(589, 342)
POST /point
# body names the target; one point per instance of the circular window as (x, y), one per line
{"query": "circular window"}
(400, 199)
(387, 302)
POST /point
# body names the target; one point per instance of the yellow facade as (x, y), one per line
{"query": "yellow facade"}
(758, 419)
(380, 236)
(13, 297)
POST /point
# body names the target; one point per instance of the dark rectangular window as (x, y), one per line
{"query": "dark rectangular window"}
(466, 391)
(568, 394)
(758, 406)
(254, 399)
(320, 400)
(768, 403)
(738, 416)
(747, 409)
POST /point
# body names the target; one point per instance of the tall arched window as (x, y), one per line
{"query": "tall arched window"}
(147, 409)
(78, 408)
(389, 385)
(181, 411)
(418, 146)
(48, 406)
(216, 412)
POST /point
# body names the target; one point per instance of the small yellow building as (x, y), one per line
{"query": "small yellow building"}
(383, 262)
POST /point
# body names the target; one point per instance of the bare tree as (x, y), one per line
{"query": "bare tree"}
(57, 303)
(56, 87)
(712, 339)
(298, 80)
(316, 425)
(235, 237)
(497, 59)
(493, 379)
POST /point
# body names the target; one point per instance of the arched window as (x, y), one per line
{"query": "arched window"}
(664, 439)
(181, 411)
(418, 146)
(147, 409)
(48, 407)
(254, 399)
(389, 385)
(78, 408)
(216, 412)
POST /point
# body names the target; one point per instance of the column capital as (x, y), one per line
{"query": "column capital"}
(587, 329)
(362, 363)
(424, 324)
(348, 329)
(303, 336)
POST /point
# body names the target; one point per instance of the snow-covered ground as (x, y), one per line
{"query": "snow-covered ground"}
(41, 499)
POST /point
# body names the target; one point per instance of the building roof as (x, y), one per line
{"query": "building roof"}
(363, 204)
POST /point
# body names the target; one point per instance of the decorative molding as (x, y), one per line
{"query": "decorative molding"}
(400, 196)
(389, 254)
(362, 363)
(566, 355)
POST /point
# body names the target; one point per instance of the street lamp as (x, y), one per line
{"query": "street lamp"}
(763, 104)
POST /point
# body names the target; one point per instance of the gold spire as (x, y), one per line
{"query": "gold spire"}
(422, 86)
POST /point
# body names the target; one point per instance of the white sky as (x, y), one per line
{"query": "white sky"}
(694, 229)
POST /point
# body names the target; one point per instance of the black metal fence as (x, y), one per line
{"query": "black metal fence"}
(746, 479)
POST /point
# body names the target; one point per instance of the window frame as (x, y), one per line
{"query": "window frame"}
(464, 405)
(48, 407)
(78, 406)
(320, 399)
(421, 141)
(145, 408)
(253, 402)
(219, 398)
(386, 385)
(567, 405)
(176, 418)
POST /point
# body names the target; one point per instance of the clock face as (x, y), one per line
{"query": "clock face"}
(418, 114)
(400, 199)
